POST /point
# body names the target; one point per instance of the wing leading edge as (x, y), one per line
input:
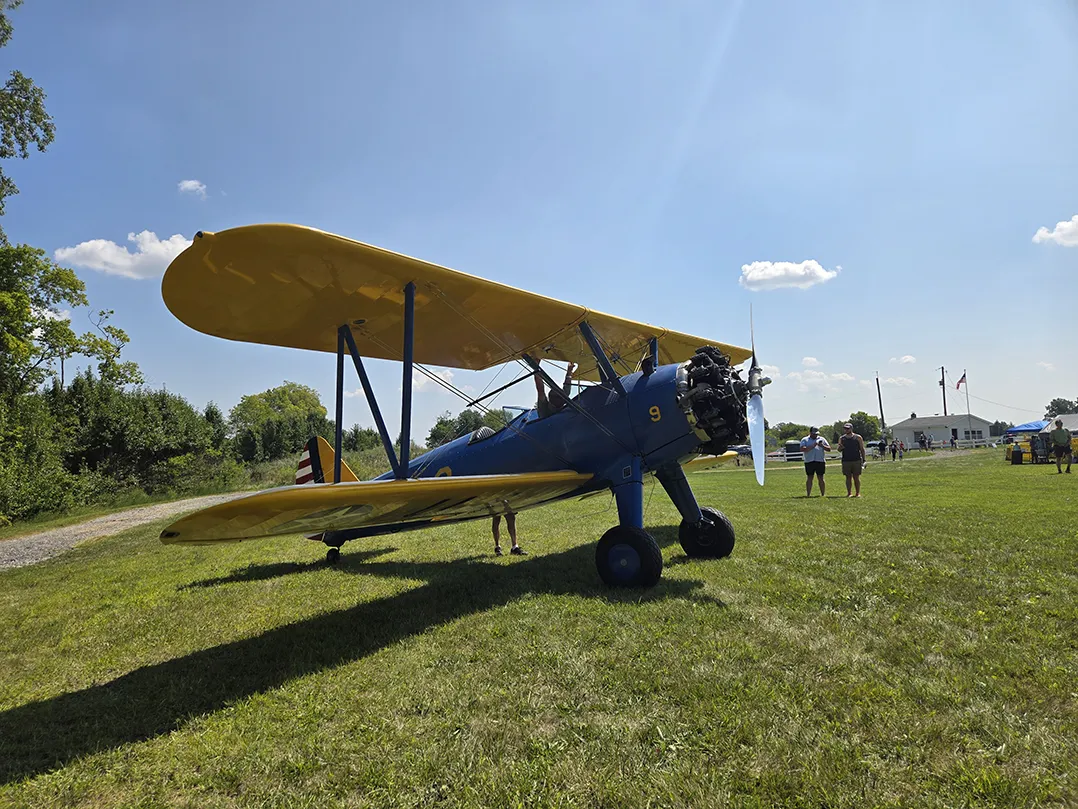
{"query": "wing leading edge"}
(293, 286)
(321, 507)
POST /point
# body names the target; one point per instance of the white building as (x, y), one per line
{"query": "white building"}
(962, 426)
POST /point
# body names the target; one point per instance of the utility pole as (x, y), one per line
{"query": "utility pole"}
(879, 396)
(943, 386)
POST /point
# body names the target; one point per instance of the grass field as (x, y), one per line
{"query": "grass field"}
(916, 647)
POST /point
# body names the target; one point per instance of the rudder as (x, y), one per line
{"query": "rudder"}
(316, 464)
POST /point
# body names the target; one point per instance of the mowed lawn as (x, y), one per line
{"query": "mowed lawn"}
(916, 647)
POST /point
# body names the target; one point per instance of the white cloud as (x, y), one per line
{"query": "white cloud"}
(842, 377)
(47, 314)
(897, 381)
(1047, 366)
(765, 275)
(906, 359)
(192, 187)
(771, 370)
(421, 381)
(811, 362)
(151, 256)
(1065, 233)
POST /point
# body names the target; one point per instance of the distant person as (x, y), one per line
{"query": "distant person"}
(894, 449)
(883, 449)
(852, 447)
(813, 447)
(548, 406)
(901, 449)
(922, 442)
(1061, 445)
(511, 524)
(954, 443)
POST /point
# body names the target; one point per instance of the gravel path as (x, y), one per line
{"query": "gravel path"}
(35, 548)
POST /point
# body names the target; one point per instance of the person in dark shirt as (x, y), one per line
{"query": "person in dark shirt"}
(548, 406)
(852, 447)
(1061, 445)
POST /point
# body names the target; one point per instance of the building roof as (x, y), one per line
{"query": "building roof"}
(935, 421)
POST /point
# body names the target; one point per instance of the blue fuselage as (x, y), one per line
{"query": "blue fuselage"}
(646, 423)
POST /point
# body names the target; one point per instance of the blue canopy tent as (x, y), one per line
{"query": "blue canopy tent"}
(1028, 427)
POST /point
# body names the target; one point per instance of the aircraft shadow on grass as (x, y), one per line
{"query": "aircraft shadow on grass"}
(156, 699)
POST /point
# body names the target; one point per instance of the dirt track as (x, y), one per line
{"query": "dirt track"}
(44, 545)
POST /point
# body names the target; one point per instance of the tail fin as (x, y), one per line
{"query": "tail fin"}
(316, 464)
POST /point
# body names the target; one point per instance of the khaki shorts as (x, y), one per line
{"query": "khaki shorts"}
(851, 468)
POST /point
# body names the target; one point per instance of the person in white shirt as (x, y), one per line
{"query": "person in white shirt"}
(813, 447)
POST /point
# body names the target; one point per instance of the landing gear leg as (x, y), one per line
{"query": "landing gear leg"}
(333, 554)
(627, 555)
(703, 532)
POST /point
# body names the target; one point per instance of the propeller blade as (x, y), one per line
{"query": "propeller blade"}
(755, 413)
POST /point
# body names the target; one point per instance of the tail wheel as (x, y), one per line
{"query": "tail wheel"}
(711, 538)
(628, 557)
(333, 555)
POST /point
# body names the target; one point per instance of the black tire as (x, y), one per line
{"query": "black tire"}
(628, 557)
(711, 539)
(333, 555)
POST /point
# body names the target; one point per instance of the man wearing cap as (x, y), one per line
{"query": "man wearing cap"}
(813, 447)
(852, 447)
(1061, 445)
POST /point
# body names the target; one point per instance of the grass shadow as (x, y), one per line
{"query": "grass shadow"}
(277, 569)
(156, 699)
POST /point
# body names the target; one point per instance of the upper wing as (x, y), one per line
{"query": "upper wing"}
(321, 507)
(294, 286)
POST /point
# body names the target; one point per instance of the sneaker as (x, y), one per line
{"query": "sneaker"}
(497, 551)
(518, 551)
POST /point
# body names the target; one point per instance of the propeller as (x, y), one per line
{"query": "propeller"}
(754, 409)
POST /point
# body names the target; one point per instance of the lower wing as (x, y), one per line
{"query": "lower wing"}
(321, 507)
(709, 461)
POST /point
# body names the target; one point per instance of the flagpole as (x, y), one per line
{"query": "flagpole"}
(969, 417)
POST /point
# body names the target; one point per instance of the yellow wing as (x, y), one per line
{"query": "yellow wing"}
(708, 461)
(313, 508)
(293, 286)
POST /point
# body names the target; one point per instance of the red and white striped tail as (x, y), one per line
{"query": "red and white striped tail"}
(305, 470)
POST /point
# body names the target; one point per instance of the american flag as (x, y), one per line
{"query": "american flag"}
(960, 381)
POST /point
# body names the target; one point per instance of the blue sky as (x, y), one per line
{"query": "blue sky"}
(633, 157)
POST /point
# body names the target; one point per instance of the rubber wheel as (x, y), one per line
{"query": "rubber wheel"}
(628, 557)
(711, 539)
(333, 555)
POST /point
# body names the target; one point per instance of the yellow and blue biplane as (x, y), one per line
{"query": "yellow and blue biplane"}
(659, 401)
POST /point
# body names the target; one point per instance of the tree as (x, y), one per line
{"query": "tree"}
(218, 425)
(278, 422)
(1060, 407)
(357, 439)
(36, 335)
(788, 430)
(23, 120)
(999, 427)
(866, 426)
(449, 427)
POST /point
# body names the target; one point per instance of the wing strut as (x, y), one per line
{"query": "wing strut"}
(406, 396)
(344, 336)
(372, 402)
(607, 371)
